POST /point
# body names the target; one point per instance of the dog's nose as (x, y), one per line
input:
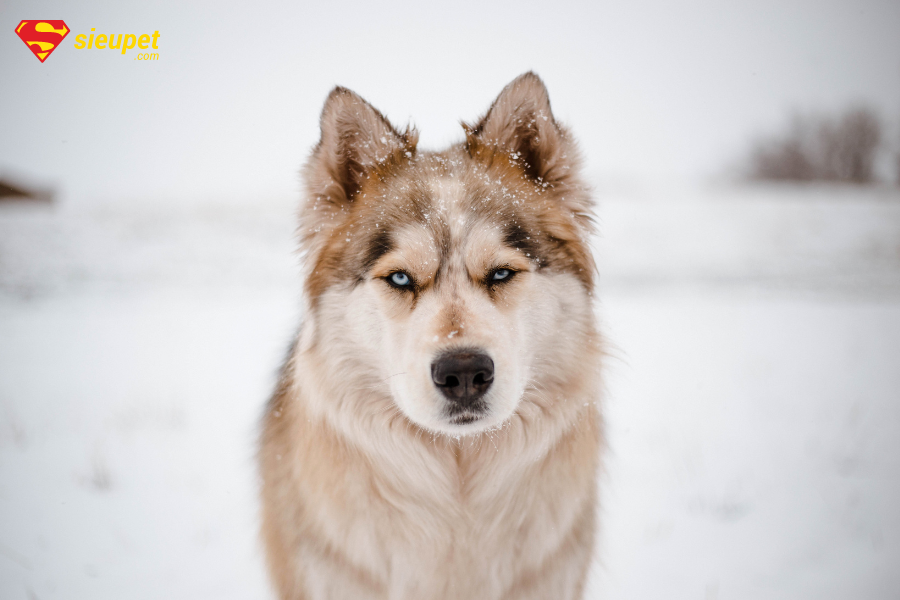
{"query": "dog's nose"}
(463, 376)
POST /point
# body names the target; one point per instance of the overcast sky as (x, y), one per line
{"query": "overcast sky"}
(652, 89)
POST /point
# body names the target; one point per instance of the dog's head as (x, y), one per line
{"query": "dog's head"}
(459, 279)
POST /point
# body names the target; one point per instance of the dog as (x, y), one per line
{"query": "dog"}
(435, 430)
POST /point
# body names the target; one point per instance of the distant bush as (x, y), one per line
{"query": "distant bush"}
(821, 149)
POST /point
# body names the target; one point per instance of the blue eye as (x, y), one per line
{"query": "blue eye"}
(399, 279)
(501, 274)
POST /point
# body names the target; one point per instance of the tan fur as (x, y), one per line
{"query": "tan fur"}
(369, 489)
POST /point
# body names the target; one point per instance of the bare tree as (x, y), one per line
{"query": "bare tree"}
(821, 148)
(786, 158)
(849, 146)
(897, 160)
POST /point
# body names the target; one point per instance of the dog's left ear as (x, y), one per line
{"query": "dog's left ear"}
(521, 124)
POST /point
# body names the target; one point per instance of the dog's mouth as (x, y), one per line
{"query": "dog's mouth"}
(467, 415)
(465, 419)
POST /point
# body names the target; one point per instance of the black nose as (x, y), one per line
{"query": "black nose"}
(463, 376)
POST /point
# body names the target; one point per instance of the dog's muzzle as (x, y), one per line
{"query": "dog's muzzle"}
(463, 377)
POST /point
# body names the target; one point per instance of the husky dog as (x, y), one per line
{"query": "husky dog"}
(435, 433)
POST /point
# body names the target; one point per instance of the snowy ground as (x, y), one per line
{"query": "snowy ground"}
(753, 395)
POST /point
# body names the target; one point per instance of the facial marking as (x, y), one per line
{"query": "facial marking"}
(379, 245)
(516, 236)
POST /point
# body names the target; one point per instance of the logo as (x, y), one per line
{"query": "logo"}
(42, 37)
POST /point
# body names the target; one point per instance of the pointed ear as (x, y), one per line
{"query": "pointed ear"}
(356, 138)
(520, 123)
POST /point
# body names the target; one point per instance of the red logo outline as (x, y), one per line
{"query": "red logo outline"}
(42, 36)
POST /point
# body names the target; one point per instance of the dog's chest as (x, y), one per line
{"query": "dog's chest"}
(465, 535)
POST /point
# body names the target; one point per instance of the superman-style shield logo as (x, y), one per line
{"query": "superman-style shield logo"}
(42, 37)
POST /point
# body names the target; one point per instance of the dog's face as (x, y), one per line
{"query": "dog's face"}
(452, 275)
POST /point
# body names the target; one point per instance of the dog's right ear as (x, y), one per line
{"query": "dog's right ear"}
(356, 139)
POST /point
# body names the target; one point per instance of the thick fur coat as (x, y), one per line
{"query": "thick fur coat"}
(389, 471)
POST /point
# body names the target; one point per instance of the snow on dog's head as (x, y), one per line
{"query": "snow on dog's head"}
(454, 282)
